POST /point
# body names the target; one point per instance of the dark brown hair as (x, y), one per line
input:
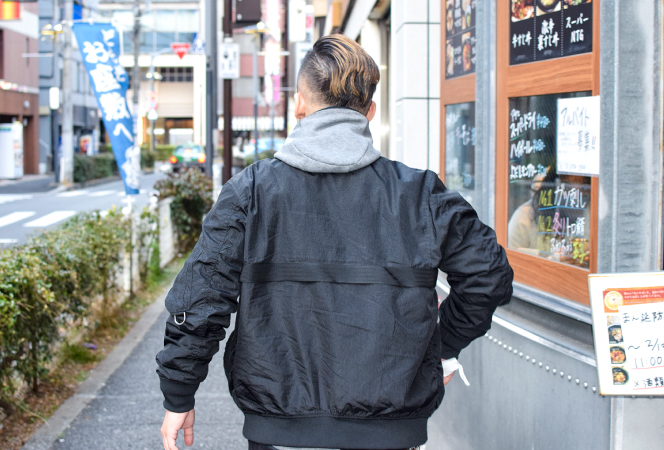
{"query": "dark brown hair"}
(338, 72)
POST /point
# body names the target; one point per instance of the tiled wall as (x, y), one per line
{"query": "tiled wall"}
(415, 83)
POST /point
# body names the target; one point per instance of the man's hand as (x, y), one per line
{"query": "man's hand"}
(449, 377)
(173, 422)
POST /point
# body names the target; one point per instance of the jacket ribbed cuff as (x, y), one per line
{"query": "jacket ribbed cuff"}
(178, 397)
(450, 347)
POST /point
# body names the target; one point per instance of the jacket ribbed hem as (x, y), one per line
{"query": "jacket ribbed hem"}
(332, 432)
(178, 397)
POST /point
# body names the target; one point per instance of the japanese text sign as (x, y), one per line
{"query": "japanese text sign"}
(628, 327)
(100, 44)
(578, 136)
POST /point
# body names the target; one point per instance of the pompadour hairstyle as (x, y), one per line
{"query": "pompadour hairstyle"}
(338, 72)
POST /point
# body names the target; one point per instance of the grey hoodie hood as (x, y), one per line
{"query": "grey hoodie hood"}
(332, 140)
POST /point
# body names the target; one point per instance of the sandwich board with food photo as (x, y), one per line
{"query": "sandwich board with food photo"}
(628, 328)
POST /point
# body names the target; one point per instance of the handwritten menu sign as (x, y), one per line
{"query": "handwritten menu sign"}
(460, 149)
(549, 211)
(628, 324)
(546, 29)
(460, 52)
(578, 136)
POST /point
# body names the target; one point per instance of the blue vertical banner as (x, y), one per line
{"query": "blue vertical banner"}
(100, 47)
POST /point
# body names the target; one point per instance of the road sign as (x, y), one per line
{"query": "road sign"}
(198, 46)
(152, 114)
(229, 63)
(180, 48)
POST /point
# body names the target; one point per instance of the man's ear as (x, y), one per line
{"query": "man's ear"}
(372, 111)
(300, 106)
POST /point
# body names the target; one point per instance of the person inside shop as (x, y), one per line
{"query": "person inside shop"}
(329, 254)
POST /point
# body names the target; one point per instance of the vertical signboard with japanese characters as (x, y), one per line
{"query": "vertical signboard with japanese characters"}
(628, 327)
(546, 29)
(460, 48)
(100, 46)
(549, 212)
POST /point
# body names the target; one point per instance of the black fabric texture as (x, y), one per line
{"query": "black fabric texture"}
(336, 433)
(178, 397)
(339, 362)
(337, 273)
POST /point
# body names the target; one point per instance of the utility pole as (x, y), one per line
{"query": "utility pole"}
(136, 72)
(255, 80)
(228, 101)
(211, 84)
(67, 157)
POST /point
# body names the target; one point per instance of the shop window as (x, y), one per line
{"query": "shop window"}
(457, 98)
(547, 50)
(549, 213)
(460, 149)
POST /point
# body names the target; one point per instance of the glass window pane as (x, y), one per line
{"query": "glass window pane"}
(460, 149)
(165, 21)
(164, 39)
(188, 21)
(549, 212)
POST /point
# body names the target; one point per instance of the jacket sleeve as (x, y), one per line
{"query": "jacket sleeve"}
(477, 270)
(201, 301)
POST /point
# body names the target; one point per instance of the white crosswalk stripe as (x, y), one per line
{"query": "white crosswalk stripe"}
(8, 241)
(7, 198)
(73, 193)
(50, 219)
(103, 193)
(15, 217)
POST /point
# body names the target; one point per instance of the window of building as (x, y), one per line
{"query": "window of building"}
(457, 98)
(546, 220)
(176, 74)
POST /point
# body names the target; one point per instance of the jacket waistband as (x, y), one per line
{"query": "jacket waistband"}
(332, 432)
(338, 273)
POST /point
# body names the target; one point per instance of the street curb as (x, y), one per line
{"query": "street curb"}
(62, 418)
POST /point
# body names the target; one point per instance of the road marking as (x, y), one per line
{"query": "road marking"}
(124, 194)
(8, 241)
(73, 193)
(50, 219)
(6, 198)
(103, 193)
(15, 217)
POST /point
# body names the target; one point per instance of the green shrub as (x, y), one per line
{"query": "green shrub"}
(164, 151)
(192, 199)
(265, 154)
(105, 148)
(50, 283)
(147, 159)
(88, 168)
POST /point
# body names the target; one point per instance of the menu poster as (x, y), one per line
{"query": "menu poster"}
(549, 212)
(578, 136)
(460, 43)
(460, 149)
(628, 328)
(546, 29)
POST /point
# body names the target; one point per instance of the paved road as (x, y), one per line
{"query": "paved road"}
(24, 213)
(127, 413)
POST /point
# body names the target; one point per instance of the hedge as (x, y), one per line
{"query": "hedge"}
(103, 165)
(50, 283)
(62, 277)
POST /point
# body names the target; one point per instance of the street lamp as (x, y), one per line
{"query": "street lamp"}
(153, 76)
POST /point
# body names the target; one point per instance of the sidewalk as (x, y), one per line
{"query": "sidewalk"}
(29, 184)
(127, 412)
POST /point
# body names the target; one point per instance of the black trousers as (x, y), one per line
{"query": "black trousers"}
(255, 446)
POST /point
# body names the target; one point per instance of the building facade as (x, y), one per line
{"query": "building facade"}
(475, 89)
(19, 79)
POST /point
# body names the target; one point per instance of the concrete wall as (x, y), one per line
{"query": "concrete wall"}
(415, 83)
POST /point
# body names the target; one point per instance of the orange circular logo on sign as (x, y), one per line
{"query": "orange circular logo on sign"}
(613, 300)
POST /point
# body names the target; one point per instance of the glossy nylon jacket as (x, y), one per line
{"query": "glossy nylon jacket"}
(329, 256)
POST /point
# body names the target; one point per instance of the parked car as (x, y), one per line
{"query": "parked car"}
(186, 156)
(267, 147)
